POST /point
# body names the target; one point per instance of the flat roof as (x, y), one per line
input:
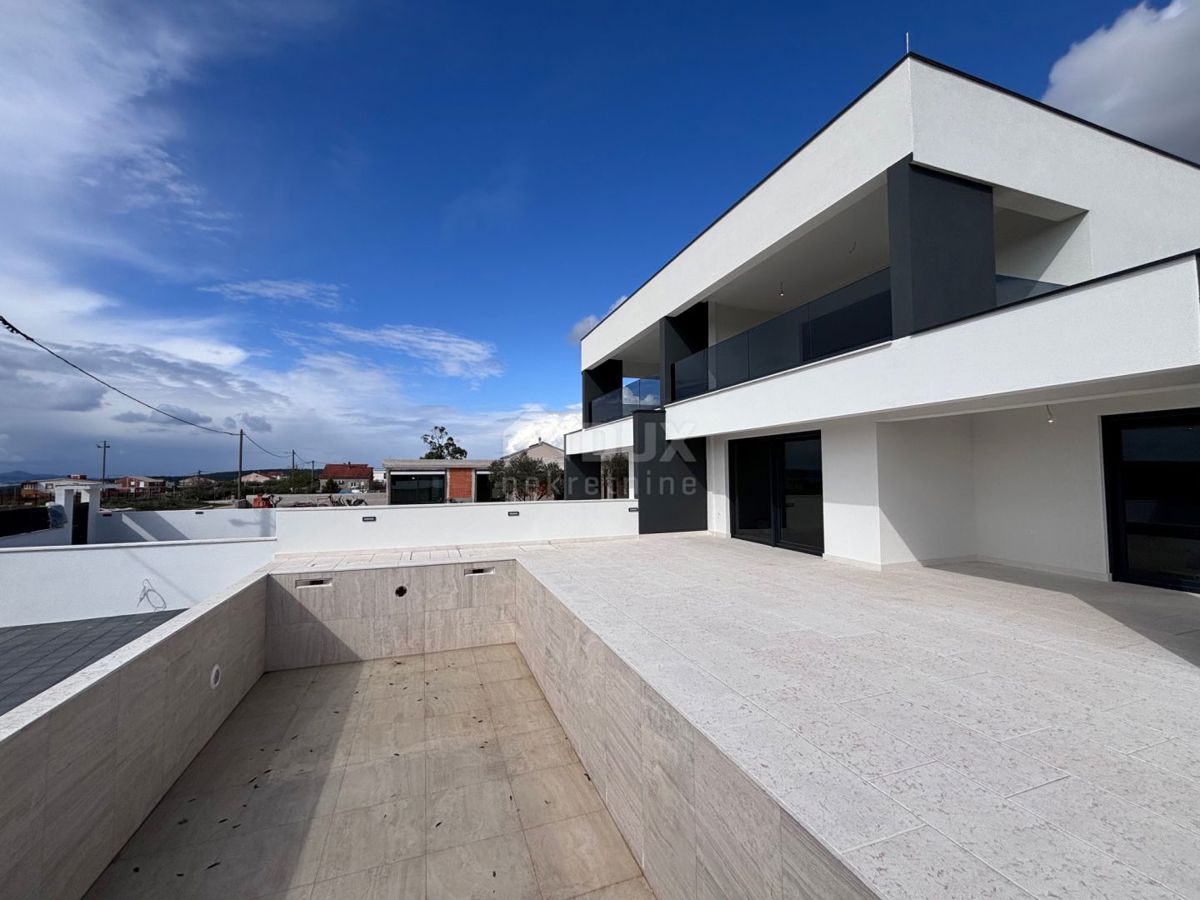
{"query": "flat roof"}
(816, 134)
(436, 464)
(36, 657)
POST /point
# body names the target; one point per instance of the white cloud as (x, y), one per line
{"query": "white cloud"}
(1137, 76)
(444, 352)
(96, 165)
(582, 327)
(587, 323)
(310, 293)
(535, 423)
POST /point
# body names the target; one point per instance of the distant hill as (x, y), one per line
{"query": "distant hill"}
(16, 476)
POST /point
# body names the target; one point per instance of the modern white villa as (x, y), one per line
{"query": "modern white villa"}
(950, 348)
(955, 325)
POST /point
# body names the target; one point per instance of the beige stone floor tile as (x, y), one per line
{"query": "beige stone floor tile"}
(464, 815)
(317, 721)
(380, 780)
(492, 868)
(547, 795)
(457, 731)
(473, 764)
(494, 653)
(402, 707)
(404, 880)
(262, 862)
(453, 701)
(448, 659)
(522, 717)
(502, 670)
(574, 856)
(533, 750)
(508, 693)
(288, 800)
(923, 865)
(300, 893)
(454, 677)
(634, 889)
(379, 741)
(373, 836)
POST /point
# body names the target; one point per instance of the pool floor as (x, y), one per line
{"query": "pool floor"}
(443, 775)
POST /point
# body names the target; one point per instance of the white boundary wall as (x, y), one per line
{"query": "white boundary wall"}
(59, 584)
(133, 526)
(450, 524)
(53, 584)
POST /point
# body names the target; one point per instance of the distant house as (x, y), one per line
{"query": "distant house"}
(43, 489)
(196, 481)
(261, 477)
(438, 480)
(540, 451)
(349, 476)
(138, 485)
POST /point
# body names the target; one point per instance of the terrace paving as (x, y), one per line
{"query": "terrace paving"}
(974, 730)
(971, 730)
(36, 657)
(442, 775)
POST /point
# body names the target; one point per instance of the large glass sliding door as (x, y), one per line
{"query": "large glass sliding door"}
(775, 485)
(1152, 484)
(750, 481)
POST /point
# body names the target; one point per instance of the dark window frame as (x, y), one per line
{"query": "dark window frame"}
(1111, 430)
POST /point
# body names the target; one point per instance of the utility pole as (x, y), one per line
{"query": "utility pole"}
(241, 441)
(103, 448)
(292, 485)
(312, 475)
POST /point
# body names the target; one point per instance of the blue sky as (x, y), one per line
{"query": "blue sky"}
(341, 224)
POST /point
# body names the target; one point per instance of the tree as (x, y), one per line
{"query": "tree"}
(442, 445)
(523, 478)
(331, 487)
(614, 475)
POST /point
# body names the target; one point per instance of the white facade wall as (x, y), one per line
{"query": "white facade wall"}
(1039, 488)
(865, 141)
(718, 484)
(1002, 486)
(615, 435)
(1140, 205)
(1144, 322)
(926, 509)
(850, 487)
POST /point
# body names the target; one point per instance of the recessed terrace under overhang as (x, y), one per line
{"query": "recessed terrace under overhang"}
(827, 288)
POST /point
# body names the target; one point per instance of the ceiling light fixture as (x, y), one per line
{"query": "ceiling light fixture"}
(1049, 415)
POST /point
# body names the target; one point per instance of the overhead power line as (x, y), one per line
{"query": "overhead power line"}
(162, 412)
(13, 329)
(264, 449)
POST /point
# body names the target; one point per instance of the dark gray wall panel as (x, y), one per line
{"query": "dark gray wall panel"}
(670, 477)
(581, 477)
(598, 381)
(678, 337)
(943, 255)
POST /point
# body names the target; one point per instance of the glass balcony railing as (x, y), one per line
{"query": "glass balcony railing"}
(641, 394)
(857, 315)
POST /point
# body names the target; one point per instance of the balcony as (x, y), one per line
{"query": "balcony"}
(625, 400)
(854, 316)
